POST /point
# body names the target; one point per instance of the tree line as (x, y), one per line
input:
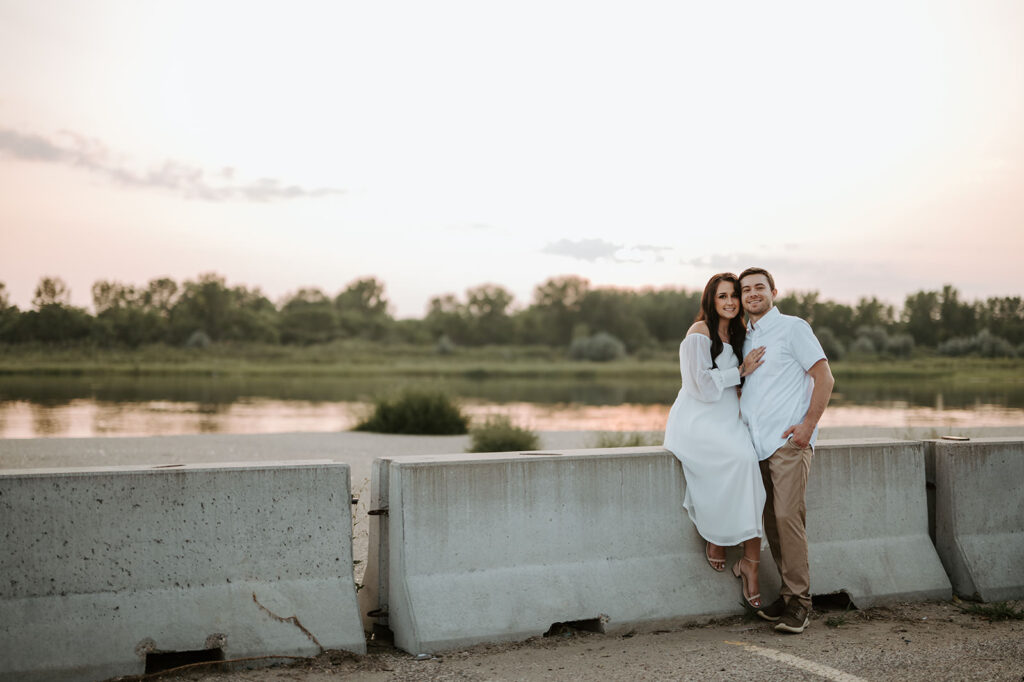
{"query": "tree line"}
(564, 311)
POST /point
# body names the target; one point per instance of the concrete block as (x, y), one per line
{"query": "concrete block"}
(373, 594)
(104, 567)
(485, 548)
(498, 547)
(867, 523)
(979, 515)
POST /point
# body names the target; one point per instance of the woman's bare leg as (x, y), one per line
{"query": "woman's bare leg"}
(716, 556)
(752, 553)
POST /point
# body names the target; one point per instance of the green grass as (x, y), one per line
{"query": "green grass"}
(416, 412)
(625, 439)
(996, 611)
(341, 358)
(355, 357)
(499, 434)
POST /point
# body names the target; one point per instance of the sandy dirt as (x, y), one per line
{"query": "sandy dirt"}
(919, 641)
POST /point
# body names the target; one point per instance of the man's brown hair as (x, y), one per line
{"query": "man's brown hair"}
(759, 271)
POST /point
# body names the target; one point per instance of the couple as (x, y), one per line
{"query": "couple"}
(746, 452)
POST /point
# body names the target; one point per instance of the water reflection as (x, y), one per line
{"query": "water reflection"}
(48, 420)
(132, 406)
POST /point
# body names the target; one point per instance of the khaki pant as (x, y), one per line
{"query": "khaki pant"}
(785, 517)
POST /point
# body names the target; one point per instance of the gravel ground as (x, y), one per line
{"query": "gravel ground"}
(919, 641)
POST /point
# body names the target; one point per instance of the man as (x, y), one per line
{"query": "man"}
(782, 403)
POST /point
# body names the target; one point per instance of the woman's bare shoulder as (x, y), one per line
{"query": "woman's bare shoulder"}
(699, 327)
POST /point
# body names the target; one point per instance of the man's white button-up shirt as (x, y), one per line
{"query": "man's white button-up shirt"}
(778, 393)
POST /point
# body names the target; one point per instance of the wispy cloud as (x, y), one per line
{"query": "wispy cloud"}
(593, 250)
(589, 250)
(187, 180)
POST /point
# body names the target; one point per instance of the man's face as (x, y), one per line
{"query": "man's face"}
(757, 295)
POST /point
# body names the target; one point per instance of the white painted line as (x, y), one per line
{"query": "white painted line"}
(797, 662)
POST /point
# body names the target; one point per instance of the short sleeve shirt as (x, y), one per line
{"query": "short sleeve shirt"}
(778, 393)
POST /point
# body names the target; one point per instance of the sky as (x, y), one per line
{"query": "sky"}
(857, 149)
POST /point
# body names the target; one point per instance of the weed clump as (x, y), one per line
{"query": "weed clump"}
(625, 439)
(601, 347)
(499, 434)
(995, 611)
(416, 412)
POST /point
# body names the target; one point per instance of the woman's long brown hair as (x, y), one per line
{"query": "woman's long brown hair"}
(708, 313)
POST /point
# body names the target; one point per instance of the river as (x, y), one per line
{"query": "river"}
(62, 406)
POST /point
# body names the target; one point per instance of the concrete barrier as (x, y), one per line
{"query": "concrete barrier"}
(373, 594)
(110, 571)
(867, 523)
(501, 546)
(979, 515)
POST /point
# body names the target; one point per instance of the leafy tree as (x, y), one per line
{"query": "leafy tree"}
(363, 309)
(921, 316)
(54, 320)
(161, 295)
(53, 323)
(205, 305)
(239, 313)
(308, 316)
(1003, 317)
(870, 312)
(615, 312)
(799, 304)
(446, 316)
(107, 295)
(365, 295)
(254, 316)
(410, 331)
(955, 318)
(487, 314)
(125, 314)
(837, 317)
(557, 303)
(668, 313)
(131, 326)
(8, 315)
(51, 291)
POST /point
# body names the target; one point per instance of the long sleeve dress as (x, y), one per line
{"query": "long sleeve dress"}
(724, 493)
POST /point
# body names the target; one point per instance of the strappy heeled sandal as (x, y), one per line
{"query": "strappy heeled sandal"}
(713, 561)
(753, 600)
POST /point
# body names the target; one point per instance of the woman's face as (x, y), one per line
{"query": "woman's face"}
(727, 303)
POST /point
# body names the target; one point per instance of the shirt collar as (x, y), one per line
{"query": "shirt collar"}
(766, 321)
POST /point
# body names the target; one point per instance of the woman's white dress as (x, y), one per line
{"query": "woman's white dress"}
(724, 493)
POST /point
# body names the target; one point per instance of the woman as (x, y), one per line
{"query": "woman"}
(724, 493)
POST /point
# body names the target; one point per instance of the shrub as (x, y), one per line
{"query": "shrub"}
(864, 346)
(416, 412)
(900, 345)
(833, 347)
(992, 346)
(445, 346)
(499, 434)
(984, 344)
(876, 334)
(625, 439)
(198, 339)
(601, 347)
